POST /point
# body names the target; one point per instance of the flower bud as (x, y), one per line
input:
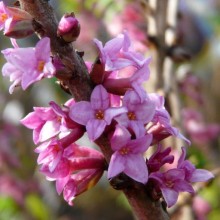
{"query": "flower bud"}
(68, 28)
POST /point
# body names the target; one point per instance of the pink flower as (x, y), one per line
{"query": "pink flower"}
(139, 113)
(116, 54)
(96, 114)
(26, 66)
(127, 156)
(179, 179)
(191, 173)
(119, 67)
(171, 183)
(48, 122)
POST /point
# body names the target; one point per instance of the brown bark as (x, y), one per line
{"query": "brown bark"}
(77, 80)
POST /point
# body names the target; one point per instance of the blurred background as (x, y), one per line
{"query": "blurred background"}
(24, 192)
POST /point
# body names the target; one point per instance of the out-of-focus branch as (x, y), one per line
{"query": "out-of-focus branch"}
(77, 80)
(162, 21)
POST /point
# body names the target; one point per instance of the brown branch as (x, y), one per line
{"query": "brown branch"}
(80, 86)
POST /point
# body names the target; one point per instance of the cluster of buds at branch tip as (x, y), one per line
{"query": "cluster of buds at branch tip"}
(68, 28)
(16, 23)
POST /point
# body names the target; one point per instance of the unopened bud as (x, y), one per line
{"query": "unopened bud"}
(68, 28)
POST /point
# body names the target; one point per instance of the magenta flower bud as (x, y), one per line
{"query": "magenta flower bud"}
(68, 28)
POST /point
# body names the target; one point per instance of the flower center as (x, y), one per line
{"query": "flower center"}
(169, 184)
(131, 116)
(3, 17)
(56, 148)
(99, 114)
(40, 66)
(124, 151)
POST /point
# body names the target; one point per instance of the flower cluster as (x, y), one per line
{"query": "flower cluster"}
(119, 109)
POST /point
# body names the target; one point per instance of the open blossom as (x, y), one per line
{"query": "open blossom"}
(48, 122)
(179, 179)
(139, 113)
(117, 54)
(171, 183)
(119, 67)
(128, 155)
(96, 114)
(191, 173)
(26, 66)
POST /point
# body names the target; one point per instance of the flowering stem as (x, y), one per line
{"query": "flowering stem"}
(80, 86)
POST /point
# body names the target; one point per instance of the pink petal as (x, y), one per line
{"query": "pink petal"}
(45, 113)
(170, 196)
(136, 168)
(123, 120)
(131, 99)
(141, 144)
(81, 112)
(183, 186)
(116, 165)
(110, 113)
(60, 184)
(36, 133)
(137, 127)
(95, 128)
(120, 138)
(23, 58)
(42, 49)
(182, 157)
(114, 46)
(200, 175)
(57, 109)
(69, 192)
(49, 129)
(32, 121)
(145, 112)
(30, 77)
(49, 70)
(100, 98)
